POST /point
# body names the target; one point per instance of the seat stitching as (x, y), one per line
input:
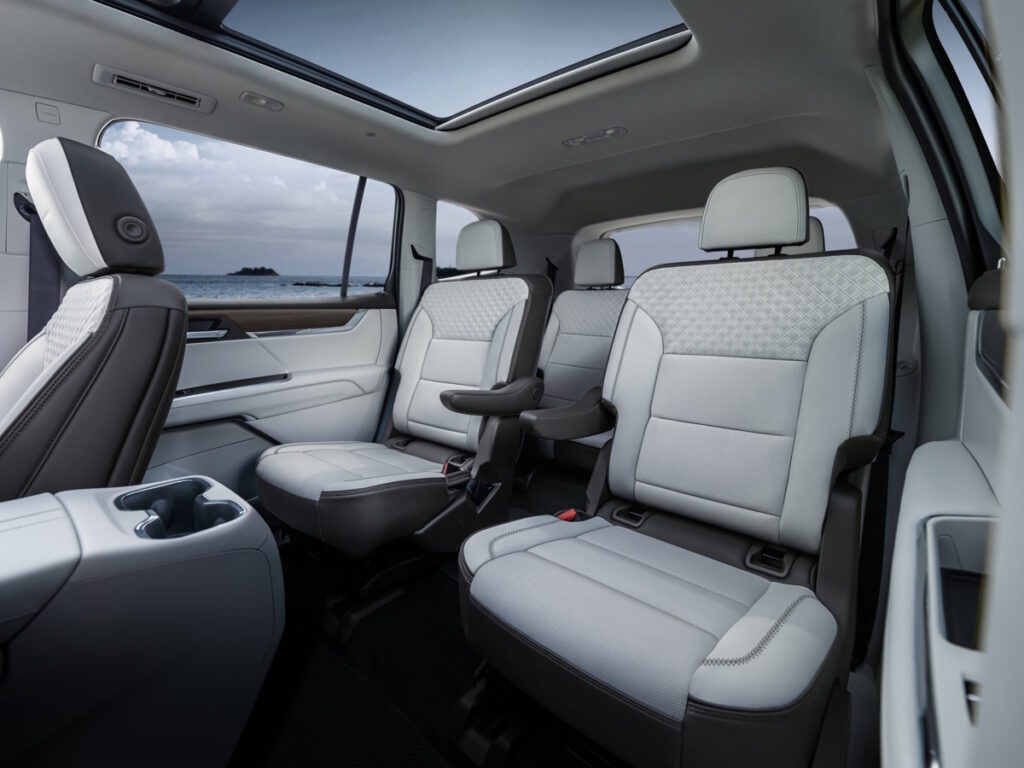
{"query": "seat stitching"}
(622, 355)
(708, 498)
(506, 534)
(719, 426)
(623, 556)
(763, 643)
(634, 598)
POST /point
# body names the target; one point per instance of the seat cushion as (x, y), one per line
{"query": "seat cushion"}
(353, 496)
(644, 630)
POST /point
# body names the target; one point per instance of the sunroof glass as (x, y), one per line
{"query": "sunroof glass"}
(443, 57)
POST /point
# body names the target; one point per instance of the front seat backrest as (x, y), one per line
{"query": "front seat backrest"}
(736, 382)
(82, 404)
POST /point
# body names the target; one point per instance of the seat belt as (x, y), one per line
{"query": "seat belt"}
(43, 269)
(426, 270)
(898, 254)
(552, 270)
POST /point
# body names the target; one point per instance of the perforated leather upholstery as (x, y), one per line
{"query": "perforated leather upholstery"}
(464, 334)
(81, 405)
(735, 384)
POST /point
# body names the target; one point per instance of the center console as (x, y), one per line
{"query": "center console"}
(136, 624)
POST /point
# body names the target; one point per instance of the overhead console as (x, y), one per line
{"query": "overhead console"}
(136, 624)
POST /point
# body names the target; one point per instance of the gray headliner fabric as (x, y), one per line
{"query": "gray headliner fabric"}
(736, 382)
(756, 208)
(655, 622)
(598, 263)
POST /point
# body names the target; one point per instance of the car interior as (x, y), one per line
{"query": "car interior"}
(508, 384)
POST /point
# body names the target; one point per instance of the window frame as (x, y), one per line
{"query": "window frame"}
(390, 288)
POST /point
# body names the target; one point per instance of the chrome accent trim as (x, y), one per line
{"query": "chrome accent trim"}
(220, 333)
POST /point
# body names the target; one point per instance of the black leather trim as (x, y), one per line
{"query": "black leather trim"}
(360, 521)
(96, 422)
(589, 415)
(986, 292)
(508, 400)
(109, 199)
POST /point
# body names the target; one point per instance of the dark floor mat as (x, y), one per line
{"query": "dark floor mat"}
(337, 718)
(415, 652)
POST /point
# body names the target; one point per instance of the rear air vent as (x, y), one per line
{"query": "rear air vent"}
(153, 89)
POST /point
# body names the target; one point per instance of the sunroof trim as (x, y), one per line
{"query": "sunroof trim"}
(658, 44)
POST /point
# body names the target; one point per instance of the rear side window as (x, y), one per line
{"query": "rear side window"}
(677, 240)
(245, 224)
(451, 219)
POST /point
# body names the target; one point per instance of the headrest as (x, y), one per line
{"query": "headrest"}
(484, 245)
(598, 263)
(760, 208)
(91, 210)
(815, 243)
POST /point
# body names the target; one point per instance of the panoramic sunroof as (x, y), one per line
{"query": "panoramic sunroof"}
(443, 57)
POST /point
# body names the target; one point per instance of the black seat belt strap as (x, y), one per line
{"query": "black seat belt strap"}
(552, 270)
(43, 269)
(426, 270)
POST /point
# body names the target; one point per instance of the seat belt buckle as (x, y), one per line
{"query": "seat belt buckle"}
(567, 515)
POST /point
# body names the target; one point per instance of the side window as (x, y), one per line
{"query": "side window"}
(451, 219)
(677, 240)
(241, 223)
(960, 30)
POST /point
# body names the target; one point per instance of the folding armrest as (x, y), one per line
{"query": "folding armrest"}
(590, 415)
(504, 400)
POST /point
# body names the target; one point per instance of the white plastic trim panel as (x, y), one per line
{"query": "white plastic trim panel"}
(55, 196)
(78, 317)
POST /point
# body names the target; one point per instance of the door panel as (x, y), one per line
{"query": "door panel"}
(254, 376)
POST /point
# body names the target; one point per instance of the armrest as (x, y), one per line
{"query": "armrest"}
(589, 415)
(507, 400)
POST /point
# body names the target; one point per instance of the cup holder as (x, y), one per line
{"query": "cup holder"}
(178, 509)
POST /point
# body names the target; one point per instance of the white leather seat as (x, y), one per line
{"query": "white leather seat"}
(82, 404)
(574, 352)
(700, 612)
(467, 334)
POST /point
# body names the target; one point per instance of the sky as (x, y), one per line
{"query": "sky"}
(446, 55)
(219, 206)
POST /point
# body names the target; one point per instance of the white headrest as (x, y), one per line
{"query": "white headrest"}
(484, 245)
(760, 208)
(90, 210)
(815, 243)
(598, 263)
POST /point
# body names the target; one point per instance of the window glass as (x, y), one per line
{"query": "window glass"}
(971, 79)
(451, 219)
(241, 223)
(676, 240)
(444, 56)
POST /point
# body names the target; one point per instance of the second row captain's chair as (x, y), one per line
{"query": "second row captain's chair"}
(465, 371)
(82, 404)
(579, 333)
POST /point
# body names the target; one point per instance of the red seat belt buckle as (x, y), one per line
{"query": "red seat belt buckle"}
(568, 515)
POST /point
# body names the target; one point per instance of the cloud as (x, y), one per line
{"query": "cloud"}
(219, 206)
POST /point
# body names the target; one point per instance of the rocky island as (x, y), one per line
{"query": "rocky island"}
(254, 272)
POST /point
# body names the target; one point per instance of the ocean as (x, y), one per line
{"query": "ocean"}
(273, 287)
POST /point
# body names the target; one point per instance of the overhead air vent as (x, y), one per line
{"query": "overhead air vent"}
(153, 89)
